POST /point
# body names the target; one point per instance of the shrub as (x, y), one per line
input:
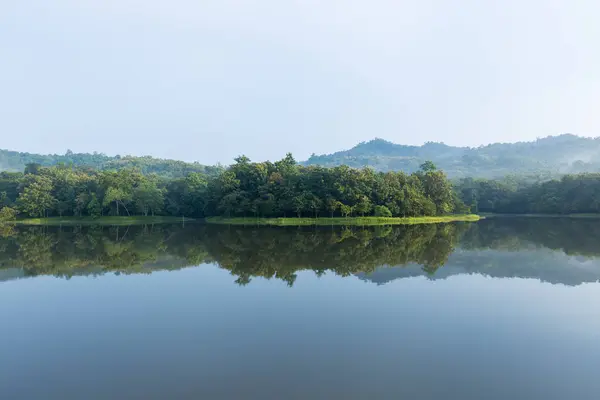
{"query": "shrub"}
(382, 211)
(7, 214)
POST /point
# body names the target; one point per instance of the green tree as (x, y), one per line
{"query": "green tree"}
(363, 206)
(36, 197)
(332, 205)
(119, 187)
(438, 189)
(148, 198)
(299, 204)
(117, 196)
(94, 208)
(7, 214)
(314, 203)
(382, 211)
(428, 166)
(81, 202)
(346, 210)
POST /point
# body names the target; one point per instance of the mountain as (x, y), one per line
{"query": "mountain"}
(16, 161)
(549, 156)
(543, 158)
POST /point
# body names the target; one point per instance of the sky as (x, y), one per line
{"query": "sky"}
(207, 80)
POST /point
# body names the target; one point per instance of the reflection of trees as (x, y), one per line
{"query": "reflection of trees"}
(35, 250)
(246, 252)
(573, 236)
(7, 230)
(281, 252)
(70, 251)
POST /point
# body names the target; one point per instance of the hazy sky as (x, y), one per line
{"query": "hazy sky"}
(207, 80)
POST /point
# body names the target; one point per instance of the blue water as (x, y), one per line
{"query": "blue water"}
(193, 333)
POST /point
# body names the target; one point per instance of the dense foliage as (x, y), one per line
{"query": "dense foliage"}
(14, 161)
(571, 194)
(284, 189)
(542, 159)
(263, 189)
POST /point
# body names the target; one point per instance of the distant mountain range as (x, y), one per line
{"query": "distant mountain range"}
(547, 157)
(550, 156)
(16, 161)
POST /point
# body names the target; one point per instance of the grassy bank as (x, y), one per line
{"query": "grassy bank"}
(342, 221)
(137, 220)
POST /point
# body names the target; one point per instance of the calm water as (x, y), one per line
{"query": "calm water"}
(500, 309)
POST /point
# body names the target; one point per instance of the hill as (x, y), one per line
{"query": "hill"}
(544, 158)
(547, 157)
(14, 161)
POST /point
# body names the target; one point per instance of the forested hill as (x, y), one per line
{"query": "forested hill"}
(541, 159)
(547, 157)
(15, 162)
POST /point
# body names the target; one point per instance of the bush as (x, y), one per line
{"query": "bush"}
(7, 214)
(382, 211)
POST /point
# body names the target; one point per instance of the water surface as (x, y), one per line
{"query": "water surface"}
(505, 308)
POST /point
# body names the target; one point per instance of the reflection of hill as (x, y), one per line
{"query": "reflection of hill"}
(554, 250)
(543, 264)
(496, 247)
(574, 236)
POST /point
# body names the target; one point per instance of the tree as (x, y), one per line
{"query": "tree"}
(230, 203)
(119, 187)
(94, 208)
(382, 211)
(81, 203)
(7, 214)
(32, 168)
(194, 195)
(438, 189)
(428, 166)
(314, 203)
(346, 210)
(148, 198)
(299, 205)
(332, 205)
(118, 196)
(363, 206)
(36, 198)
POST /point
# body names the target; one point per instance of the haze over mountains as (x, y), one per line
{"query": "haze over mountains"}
(546, 157)
(14, 161)
(549, 156)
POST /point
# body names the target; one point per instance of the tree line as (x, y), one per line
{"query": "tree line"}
(280, 189)
(570, 194)
(283, 189)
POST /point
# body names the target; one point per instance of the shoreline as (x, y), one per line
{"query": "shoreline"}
(355, 221)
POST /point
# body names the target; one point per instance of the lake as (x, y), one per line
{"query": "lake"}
(506, 308)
